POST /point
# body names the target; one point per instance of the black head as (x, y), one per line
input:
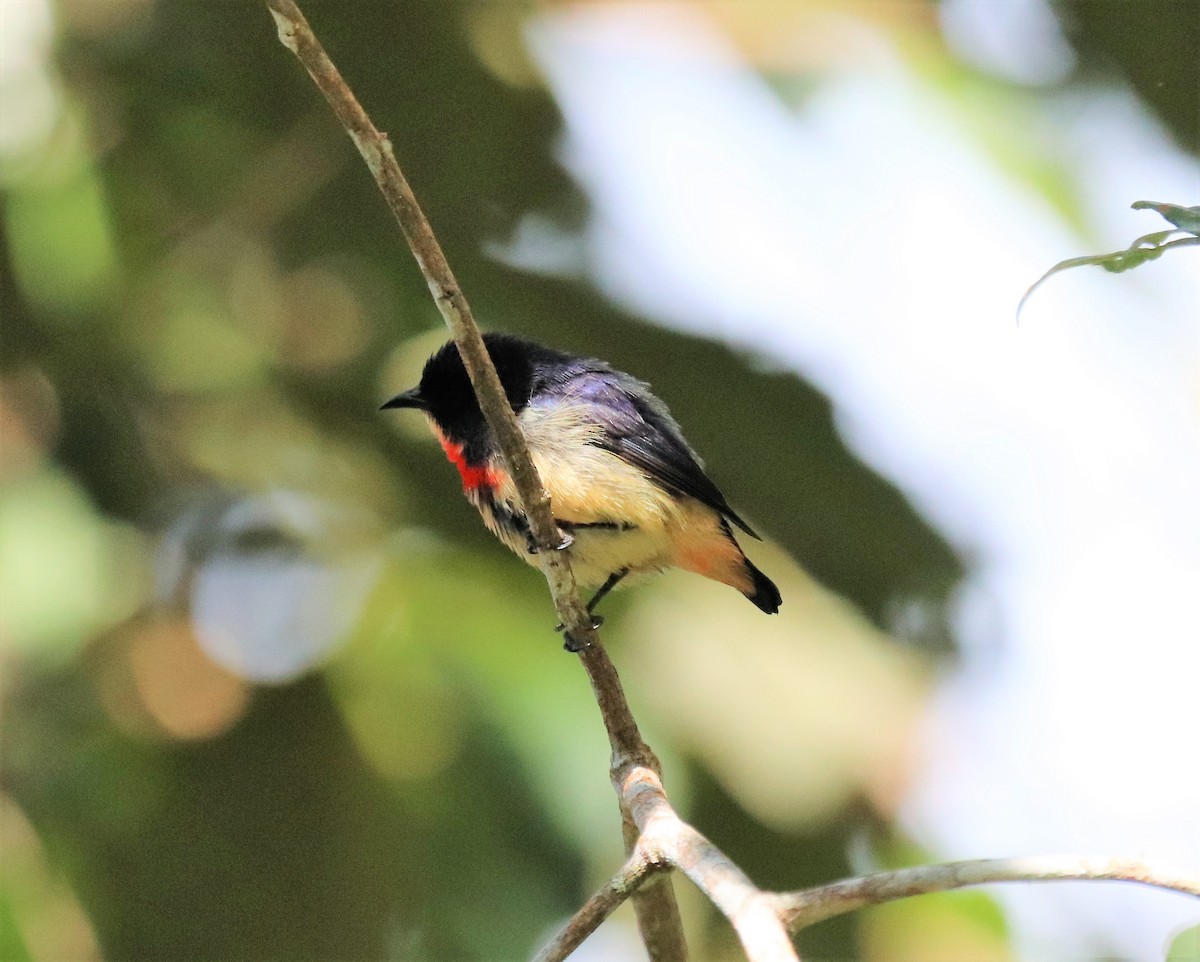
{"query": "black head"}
(445, 390)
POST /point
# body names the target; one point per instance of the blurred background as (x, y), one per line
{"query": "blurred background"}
(270, 690)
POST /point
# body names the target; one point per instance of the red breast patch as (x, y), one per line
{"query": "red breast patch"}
(474, 476)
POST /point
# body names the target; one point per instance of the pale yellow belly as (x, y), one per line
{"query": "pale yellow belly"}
(588, 484)
(597, 553)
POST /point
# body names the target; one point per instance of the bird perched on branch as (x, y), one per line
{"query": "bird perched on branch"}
(624, 485)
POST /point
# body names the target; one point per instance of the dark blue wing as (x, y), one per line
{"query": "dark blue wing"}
(639, 429)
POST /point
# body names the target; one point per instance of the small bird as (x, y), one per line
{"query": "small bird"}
(623, 482)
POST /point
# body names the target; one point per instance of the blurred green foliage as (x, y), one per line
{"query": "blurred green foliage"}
(203, 300)
(1185, 947)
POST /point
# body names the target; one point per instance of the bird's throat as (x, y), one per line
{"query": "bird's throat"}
(474, 476)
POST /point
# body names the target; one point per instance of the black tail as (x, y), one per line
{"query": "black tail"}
(766, 596)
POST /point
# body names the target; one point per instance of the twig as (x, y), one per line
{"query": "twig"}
(633, 874)
(655, 903)
(802, 909)
(752, 912)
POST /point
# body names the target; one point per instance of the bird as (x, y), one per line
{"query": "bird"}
(626, 488)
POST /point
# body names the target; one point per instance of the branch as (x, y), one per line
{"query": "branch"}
(752, 912)
(376, 150)
(636, 871)
(664, 840)
(802, 909)
(657, 914)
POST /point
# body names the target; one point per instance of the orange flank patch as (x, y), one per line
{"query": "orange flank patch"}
(696, 557)
(706, 550)
(474, 476)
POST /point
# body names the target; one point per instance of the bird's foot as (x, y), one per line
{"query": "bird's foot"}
(566, 540)
(597, 621)
(569, 641)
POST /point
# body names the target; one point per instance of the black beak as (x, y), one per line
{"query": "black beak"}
(409, 399)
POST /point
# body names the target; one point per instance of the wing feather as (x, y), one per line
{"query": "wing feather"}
(641, 431)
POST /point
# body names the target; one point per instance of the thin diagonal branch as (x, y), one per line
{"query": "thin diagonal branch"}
(802, 909)
(376, 149)
(658, 915)
(633, 874)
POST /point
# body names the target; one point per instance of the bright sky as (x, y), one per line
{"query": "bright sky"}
(880, 252)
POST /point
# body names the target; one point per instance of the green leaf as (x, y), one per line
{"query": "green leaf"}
(1185, 218)
(1148, 247)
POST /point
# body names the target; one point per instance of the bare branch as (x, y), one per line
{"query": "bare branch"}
(658, 915)
(753, 913)
(659, 922)
(802, 909)
(636, 871)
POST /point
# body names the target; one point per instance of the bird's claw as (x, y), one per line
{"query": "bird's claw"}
(569, 642)
(597, 621)
(565, 542)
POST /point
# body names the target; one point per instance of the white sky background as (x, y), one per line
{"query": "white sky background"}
(869, 243)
